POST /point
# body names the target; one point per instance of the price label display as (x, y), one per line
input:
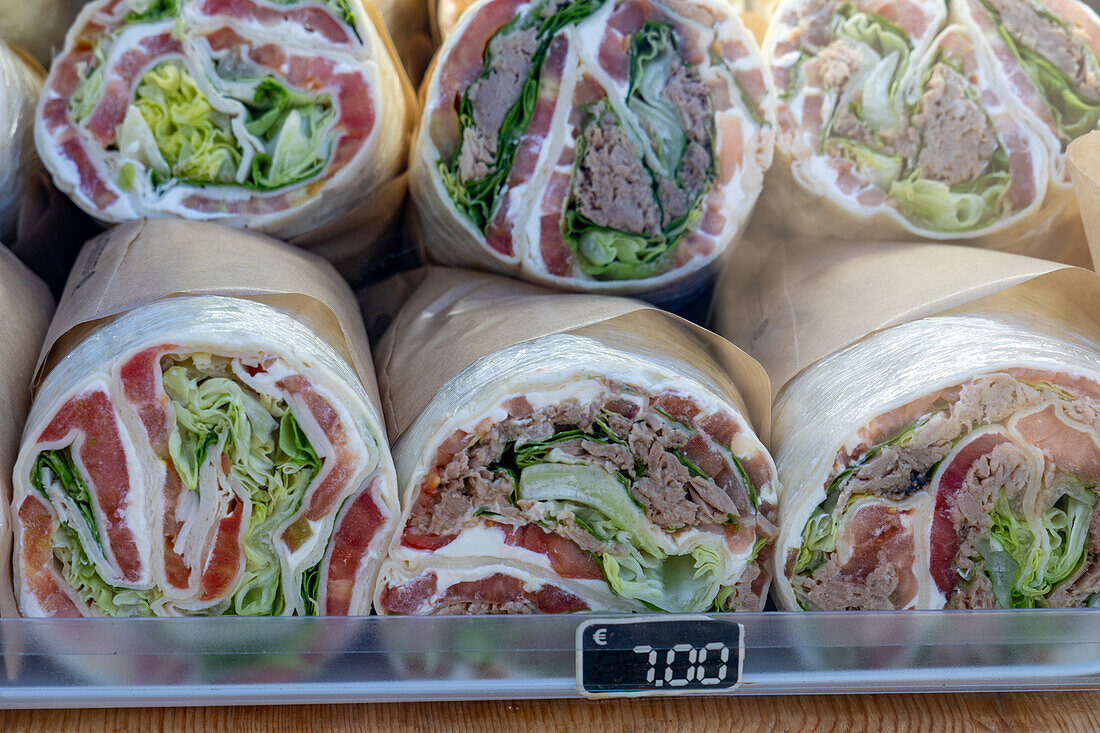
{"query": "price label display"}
(658, 655)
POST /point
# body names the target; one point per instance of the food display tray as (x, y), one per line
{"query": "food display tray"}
(224, 661)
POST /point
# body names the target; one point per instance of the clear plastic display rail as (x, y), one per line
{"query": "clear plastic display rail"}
(136, 662)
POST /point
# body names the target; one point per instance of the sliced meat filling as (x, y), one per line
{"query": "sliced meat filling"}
(613, 188)
(511, 59)
(958, 137)
(897, 459)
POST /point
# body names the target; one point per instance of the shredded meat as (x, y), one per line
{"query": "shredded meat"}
(671, 496)
(1066, 48)
(482, 608)
(829, 589)
(981, 401)
(613, 188)
(834, 65)
(958, 137)
(815, 26)
(511, 60)
(687, 91)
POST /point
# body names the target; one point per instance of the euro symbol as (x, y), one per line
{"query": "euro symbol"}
(600, 636)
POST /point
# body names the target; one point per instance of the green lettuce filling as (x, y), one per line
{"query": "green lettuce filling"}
(268, 453)
(645, 573)
(151, 11)
(195, 140)
(197, 144)
(926, 202)
(658, 127)
(819, 533)
(1073, 113)
(90, 88)
(57, 468)
(1025, 559)
(956, 209)
(477, 199)
(292, 126)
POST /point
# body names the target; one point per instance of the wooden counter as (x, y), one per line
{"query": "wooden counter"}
(992, 712)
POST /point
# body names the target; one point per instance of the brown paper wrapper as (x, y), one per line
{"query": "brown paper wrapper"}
(1083, 155)
(144, 261)
(456, 317)
(372, 230)
(409, 24)
(789, 304)
(27, 307)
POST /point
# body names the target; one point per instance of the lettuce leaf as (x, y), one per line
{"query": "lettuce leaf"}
(87, 93)
(293, 127)
(195, 140)
(83, 577)
(269, 455)
(938, 206)
(652, 50)
(677, 584)
(150, 11)
(59, 466)
(1025, 560)
(601, 503)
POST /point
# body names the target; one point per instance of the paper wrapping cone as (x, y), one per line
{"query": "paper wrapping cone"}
(409, 25)
(350, 221)
(850, 334)
(218, 289)
(804, 197)
(27, 308)
(471, 340)
(438, 341)
(1084, 166)
(371, 231)
(38, 27)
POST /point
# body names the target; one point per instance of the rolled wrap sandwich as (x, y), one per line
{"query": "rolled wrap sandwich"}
(601, 460)
(20, 85)
(281, 117)
(602, 145)
(200, 454)
(940, 449)
(904, 126)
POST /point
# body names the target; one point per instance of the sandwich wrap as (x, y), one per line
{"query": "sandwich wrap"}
(205, 438)
(896, 119)
(564, 453)
(282, 117)
(599, 145)
(937, 444)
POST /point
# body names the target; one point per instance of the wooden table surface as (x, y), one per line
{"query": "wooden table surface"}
(982, 712)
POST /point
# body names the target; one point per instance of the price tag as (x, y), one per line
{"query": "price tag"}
(658, 655)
